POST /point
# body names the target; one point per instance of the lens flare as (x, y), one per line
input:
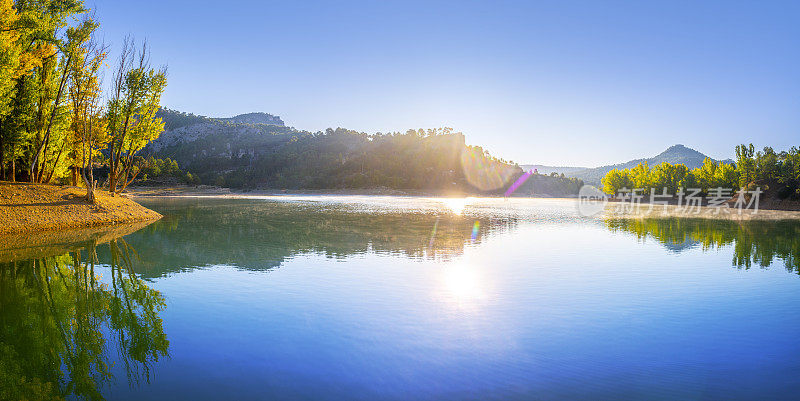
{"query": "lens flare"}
(483, 172)
(521, 180)
(433, 232)
(475, 228)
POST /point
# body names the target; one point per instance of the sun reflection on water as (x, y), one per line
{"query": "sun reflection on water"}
(462, 284)
(456, 205)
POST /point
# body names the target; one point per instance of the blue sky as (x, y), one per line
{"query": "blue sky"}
(559, 83)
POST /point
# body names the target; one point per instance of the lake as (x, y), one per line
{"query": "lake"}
(359, 297)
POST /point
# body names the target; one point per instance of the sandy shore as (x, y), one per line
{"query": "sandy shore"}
(36, 207)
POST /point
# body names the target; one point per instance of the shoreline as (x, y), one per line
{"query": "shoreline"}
(31, 208)
(204, 190)
(617, 210)
(705, 212)
(785, 205)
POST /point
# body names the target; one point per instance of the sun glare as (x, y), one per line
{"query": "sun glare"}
(462, 284)
(456, 205)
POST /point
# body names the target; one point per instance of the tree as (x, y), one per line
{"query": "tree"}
(766, 164)
(10, 54)
(27, 34)
(705, 174)
(76, 38)
(615, 179)
(51, 120)
(88, 122)
(726, 176)
(669, 176)
(745, 164)
(132, 123)
(640, 176)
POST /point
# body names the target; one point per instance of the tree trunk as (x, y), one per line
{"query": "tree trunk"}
(90, 193)
(112, 182)
(91, 184)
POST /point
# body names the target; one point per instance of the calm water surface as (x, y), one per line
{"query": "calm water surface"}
(404, 298)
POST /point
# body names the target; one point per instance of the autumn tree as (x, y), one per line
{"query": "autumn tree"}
(669, 176)
(49, 151)
(51, 117)
(10, 50)
(640, 175)
(28, 31)
(745, 164)
(88, 130)
(132, 121)
(615, 180)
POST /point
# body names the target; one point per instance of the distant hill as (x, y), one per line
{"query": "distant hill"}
(547, 170)
(676, 154)
(181, 128)
(174, 119)
(254, 118)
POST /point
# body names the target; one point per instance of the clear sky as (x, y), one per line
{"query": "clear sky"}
(556, 82)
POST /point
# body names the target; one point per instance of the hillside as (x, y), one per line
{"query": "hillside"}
(235, 154)
(174, 119)
(254, 118)
(547, 170)
(676, 154)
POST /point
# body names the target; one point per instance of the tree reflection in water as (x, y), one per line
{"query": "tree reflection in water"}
(62, 329)
(259, 235)
(756, 243)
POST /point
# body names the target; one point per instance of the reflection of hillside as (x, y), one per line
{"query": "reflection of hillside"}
(683, 246)
(255, 234)
(62, 329)
(754, 242)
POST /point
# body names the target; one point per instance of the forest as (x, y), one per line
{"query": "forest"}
(58, 117)
(775, 172)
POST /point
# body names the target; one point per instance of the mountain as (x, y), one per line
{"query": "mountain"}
(254, 118)
(547, 170)
(676, 154)
(174, 119)
(221, 133)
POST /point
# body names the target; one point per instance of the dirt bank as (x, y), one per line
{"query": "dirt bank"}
(35, 207)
